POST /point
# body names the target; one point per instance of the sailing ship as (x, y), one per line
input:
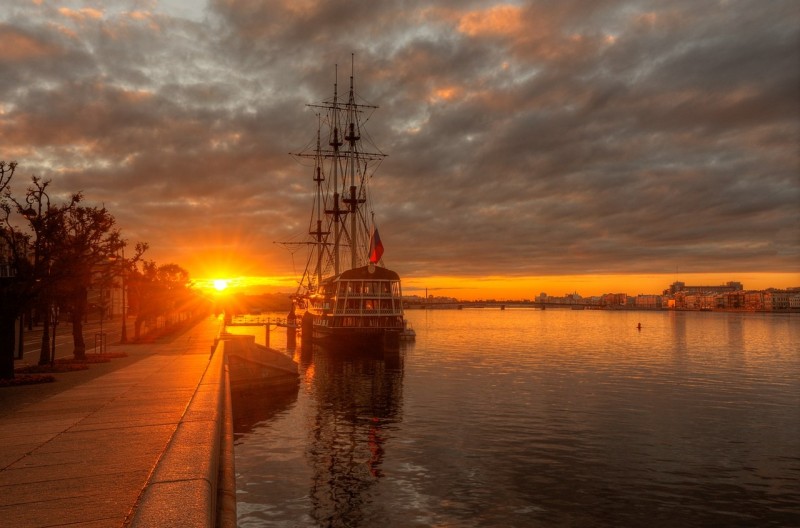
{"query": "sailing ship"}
(346, 296)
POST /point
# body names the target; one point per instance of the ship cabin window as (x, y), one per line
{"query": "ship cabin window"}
(372, 288)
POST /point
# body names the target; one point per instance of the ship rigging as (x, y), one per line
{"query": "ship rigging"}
(346, 294)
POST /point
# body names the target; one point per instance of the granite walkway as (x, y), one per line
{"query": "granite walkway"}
(83, 457)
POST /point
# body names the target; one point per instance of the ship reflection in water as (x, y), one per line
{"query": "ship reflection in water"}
(348, 406)
(357, 397)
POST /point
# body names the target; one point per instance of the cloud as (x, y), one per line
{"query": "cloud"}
(500, 19)
(81, 15)
(524, 138)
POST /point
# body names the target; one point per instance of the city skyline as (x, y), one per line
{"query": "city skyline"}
(532, 147)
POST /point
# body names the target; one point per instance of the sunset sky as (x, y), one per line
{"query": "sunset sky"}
(533, 146)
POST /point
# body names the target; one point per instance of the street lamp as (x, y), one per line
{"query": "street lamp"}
(123, 337)
(123, 272)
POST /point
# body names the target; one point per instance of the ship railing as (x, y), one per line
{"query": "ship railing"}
(368, 295)
(356, 311)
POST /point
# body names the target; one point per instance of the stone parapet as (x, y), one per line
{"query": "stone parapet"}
(184, 487)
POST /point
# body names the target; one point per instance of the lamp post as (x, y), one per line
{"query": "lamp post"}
(123, 337)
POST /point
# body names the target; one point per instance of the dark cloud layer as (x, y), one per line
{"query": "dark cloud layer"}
(528, 138)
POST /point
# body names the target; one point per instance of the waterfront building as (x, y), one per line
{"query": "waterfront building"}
(794, 301)
(776, 300)
(677, 287)
(733, 300)
(754, 300)
(648, 302)
(614, 299)
(696, 301)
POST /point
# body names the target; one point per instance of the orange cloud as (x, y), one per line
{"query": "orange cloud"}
(497, 20)
(135, 96)
(140, 15)
(18, 47)
(81, 14)
(445, 94)
(144, 16)
(302, 7)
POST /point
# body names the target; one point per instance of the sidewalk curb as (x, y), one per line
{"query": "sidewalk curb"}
(183, 488)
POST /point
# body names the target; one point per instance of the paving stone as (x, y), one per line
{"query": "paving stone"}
(83, 457)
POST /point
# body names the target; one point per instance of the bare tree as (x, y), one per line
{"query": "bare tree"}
(49, 256)
(6, 172)
(14, 270)
(89, 246)
(126, 267)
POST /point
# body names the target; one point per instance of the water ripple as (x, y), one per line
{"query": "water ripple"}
(540, 418)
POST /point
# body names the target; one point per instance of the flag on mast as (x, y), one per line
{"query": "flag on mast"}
(375, 247)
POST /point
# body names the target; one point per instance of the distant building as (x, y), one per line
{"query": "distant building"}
(648, 302)
(614, 299)
(677, 287)
(733, 300)
(794, 301)
(776, 300)
(754, 300)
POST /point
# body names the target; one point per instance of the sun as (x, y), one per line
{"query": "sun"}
(220, 284)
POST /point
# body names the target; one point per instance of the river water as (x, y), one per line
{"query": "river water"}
(535, 418)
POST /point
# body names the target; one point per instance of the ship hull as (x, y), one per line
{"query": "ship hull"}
(356, 339)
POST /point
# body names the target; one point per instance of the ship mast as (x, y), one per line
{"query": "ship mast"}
(340, 190)
(318, 233)
(335, 143)
(353, 136)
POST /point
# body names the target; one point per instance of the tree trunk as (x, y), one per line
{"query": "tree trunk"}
(6, 345)
(78, 311)
(44, 348)
(77, 335)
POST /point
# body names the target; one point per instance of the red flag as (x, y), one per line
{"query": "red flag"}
(375, 247)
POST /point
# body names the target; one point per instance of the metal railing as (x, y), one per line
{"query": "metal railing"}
(100, 340)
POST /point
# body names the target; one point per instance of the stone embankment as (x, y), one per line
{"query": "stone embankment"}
(149, 444)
